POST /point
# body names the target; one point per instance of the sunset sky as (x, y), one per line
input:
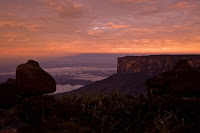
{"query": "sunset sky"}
(62, 27)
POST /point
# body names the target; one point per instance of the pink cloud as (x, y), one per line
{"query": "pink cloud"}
(181, 5)
(95, 32)
(66, 8)
(150, 30)
(10, 37)
(111, 25)
(22, 25)
(131, 1)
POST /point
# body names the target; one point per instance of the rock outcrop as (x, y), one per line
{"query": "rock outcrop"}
(33, 80)
(178, 90)
(183, 80)
(8, 94)
(153, 64)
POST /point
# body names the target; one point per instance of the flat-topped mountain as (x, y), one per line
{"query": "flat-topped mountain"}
(153, 64)
(133, 71)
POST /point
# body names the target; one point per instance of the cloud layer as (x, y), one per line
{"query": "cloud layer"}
(57, 27)
(66, 88)
(82, 73)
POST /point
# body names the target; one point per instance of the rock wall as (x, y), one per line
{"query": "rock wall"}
(153, 64)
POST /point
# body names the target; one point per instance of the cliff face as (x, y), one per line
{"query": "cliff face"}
(182, 81)
(153, 64)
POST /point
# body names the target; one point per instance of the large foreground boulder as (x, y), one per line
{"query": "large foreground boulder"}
(33, 80)
(8, 95)
(182, 80)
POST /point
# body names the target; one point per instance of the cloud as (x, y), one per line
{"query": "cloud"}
(149, 30)
(57, 27)
(95, 32)
(73, 71)
(111, 25)
(65, 8)
(131, 1)
(66, 88)
(8, 73)
(181, 5)
(105, 29)
(10, 37)
(21, 25)
(90, 77)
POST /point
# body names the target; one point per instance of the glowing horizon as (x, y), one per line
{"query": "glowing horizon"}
(65, 27)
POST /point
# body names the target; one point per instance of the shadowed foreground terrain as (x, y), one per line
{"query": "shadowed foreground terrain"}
(104, 114)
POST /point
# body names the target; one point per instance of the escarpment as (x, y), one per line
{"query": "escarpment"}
(183, 81)
(153, 64)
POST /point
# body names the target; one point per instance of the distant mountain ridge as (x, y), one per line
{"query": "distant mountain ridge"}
(133, 71)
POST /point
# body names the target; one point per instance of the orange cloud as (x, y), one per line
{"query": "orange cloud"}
(32, 27)
(154, 46)
(129, 1)
(12, 37)
(15, 24)
(150, 30)
(181, 5)
(95, 32)
(65, 8)
(176, 26)
(111, 25)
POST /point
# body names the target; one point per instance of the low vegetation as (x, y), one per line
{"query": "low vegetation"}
(101, 114)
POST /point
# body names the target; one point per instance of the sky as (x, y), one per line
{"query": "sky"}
(64, 27)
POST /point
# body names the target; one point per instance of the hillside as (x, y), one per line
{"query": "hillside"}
(126, 84)
(132, 72)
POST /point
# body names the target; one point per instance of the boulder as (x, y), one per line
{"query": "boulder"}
(182, 66)
(33, 80)
(182, 80)
(8, 95)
